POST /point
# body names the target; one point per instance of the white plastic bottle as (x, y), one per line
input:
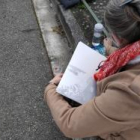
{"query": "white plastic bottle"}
(97, 35)
(97, 38)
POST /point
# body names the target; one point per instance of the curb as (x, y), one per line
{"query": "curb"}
(56, 44)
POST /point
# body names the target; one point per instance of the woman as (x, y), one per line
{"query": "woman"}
(115, 113)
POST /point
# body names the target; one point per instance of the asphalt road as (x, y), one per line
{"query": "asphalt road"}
(24, 72)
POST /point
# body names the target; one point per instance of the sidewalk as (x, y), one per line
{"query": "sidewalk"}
(25, 70)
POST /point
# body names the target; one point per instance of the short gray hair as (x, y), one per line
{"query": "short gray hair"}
(124, 21)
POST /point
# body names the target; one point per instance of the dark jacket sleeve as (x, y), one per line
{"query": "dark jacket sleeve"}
(104, 114)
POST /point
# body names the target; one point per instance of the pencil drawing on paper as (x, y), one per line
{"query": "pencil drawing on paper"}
(78, 90)
(76, 71)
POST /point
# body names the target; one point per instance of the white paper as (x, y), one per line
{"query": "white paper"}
(77, 82)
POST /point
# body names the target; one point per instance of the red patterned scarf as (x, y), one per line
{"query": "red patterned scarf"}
(117, 60)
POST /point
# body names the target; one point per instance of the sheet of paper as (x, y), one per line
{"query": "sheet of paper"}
(77, 82)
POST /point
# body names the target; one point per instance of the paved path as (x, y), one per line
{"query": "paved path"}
(24, 71)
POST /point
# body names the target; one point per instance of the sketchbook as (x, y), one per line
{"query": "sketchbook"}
(77, 82)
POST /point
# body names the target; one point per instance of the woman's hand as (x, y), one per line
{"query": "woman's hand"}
(57, 79)
(108, 45)
(108, 42)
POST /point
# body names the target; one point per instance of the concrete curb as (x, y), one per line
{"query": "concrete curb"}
(56, 44)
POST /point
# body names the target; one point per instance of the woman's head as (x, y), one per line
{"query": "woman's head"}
(123, 21)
